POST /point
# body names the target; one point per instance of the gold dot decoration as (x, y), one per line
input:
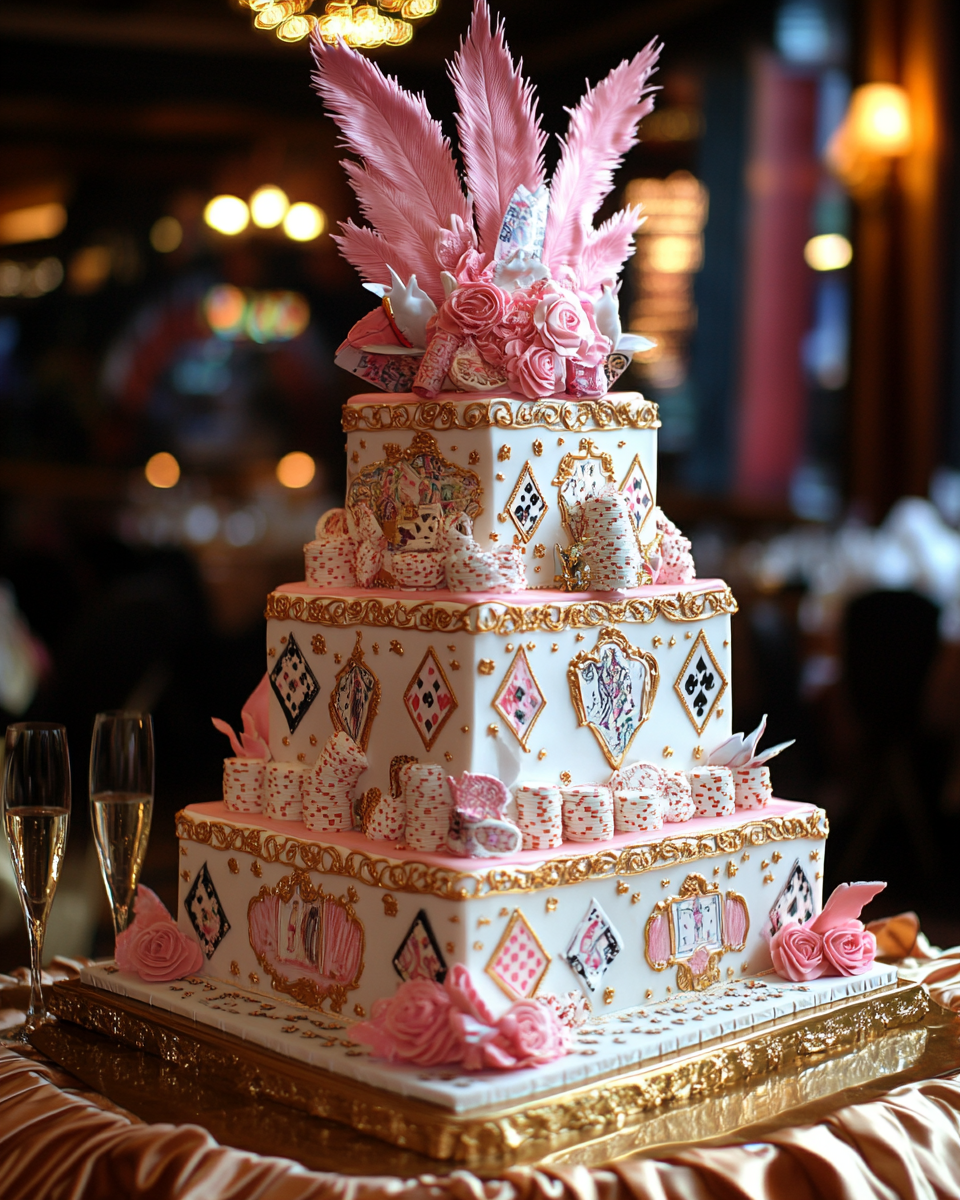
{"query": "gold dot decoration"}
(566, 778)
(504, 912)
(716, 870)
(450, 947)
(313, 739)
(454, 665)
(541, 755)
(672, 642)
(473, 457)
(552, 903)
(726, 643)
(768, 878)
(185, 875)
(539, 550)
(464, 728)
(503, 454)
(390, 905)
(301, 757)
(559, 441)
(667, 752)
(744, 857)
(732, 869)
(318, 644)
(254, 977)
(698, 752)
(538, 447)
(359, 1010)
(494, 537)
(283, 640)
(688, 635)
(499, 477)
(620, 445)
(353, 895)
(454, 449)
(478, 945)
(454, 920)
(509, 647)
(502, 518)
(337, 658)
(764, 863)
(272, 651)
(234, 866)
(256, 869)
(622, 887)
(285, 740)
(554, 647)
(608, 995)
(481, 921)
(664, 883)
(363, 443)
(635, 899)
(719, 713)
(375, 647)
(448, 756)
(580, 637)
(657, 641)
(355, 456)
(183, 852)
(493, 729)
(486, 666)
(235, 968)
(649, 993)
(730, 972)
(818, 875)
(536, 570)
(776, 856)
(814, 855)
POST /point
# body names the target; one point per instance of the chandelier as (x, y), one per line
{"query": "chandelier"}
(363, 26)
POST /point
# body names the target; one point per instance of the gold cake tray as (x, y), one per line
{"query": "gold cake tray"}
(681, 1098)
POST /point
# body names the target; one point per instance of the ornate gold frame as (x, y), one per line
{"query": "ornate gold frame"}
(305, 991)
(565, 472)
(502, 688)
(694, 885)
(431, 653)
(503, 619)
(650, 685)
(526, 468)
(638, 528)
(515, 919)
(570, 416)
(356, 659)
(677, 687)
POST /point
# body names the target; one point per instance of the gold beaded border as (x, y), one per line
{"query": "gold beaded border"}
(496, 617)
(397, 875)
(572, 416)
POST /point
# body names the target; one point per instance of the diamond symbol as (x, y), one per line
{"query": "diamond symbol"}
(639, 494)
(519, 699)
(205, 912)
(526, 505)
(293, 683)
(419, 955)
(796, 900)
(429, 699)
(700, 683)
(594, 946)
(355, 698)
(519, 962)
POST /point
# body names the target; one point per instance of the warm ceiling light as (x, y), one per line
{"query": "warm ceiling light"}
(166, 234)
(162, 470)
(296, 470)
(33, 224)
(880, 119)
(304, 222)
(227, 214)
(828, 252)
(268, 206)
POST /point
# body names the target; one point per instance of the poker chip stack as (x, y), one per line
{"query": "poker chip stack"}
(416, 569)
(283, 791)
(427, 804)
(712, 791)
(611, 549)
(637, 810)
(243, 784)
(753, 786)
(386, 821)
(587, 813)
(329, 786)
(540, 815)
(330, 560)
(678, 803)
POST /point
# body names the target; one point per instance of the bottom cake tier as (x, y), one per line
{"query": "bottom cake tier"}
(336, 924)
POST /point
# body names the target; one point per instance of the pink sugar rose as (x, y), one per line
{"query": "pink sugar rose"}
(414, 1025)
(562, 323)
(534, 370)
(797, 953)
(472, 309)
(158, 952)
(850, 948)
(528, 1035)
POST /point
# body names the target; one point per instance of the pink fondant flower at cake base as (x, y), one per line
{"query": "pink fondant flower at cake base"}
(158, 952)
(459, 987)
(414, 1025)
(528, 1035)
(797, 953)
(472, 309)
(849, 948)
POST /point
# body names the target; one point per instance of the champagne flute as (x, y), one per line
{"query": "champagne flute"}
(121, 804)
(36, 814)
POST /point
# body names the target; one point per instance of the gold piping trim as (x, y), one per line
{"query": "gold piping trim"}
(496, 617)
(397, 875)
(570, 415)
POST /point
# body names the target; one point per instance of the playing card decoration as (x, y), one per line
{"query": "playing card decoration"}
(355, 697)
(429, 699)
(796, 901)
(700, 683)
(421, 532)
(293, 683)
(526, 506)
(693, 930)
(636, 487)
(419, 955)
(205, 912)
(578, 476)
(519, 962)
(593, 947)
(519, 699)
(613, 687)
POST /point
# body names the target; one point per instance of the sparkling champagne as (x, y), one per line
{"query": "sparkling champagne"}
(121, 827)
(37, 837)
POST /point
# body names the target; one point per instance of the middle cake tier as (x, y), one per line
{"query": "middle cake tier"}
(543, 686)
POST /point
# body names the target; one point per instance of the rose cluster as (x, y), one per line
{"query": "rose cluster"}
(537, 336)
(801, 953)
(152, 946)
(429, 1023)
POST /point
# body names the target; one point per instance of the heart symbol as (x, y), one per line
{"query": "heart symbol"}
(443, 700)
(414, 702)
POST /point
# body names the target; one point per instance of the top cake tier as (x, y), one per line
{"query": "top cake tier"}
(513, 465)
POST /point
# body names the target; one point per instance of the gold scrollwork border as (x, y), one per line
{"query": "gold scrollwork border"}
(422, 879)
(439, 415)
(503, 619)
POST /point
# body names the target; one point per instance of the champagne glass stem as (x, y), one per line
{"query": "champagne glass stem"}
(37, 1011)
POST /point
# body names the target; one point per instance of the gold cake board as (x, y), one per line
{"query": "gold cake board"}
(689, 1096)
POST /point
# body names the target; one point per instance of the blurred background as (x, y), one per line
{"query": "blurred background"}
(170, 301)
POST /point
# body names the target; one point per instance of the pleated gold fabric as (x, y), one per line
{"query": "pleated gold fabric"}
(61, 1142)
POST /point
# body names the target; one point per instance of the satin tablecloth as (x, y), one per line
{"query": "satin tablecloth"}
(58, 1142)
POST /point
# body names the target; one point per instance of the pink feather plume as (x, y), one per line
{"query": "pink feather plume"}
(500, 136)
(367, 252)
(608, 248)
(602, 129)
(392, 131)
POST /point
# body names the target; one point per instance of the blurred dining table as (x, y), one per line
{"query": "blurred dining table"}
(67, 1136)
